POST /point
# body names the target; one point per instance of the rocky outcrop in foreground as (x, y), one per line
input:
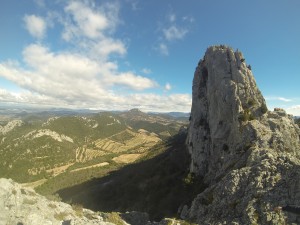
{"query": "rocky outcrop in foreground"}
(22, 206)
(248, 156)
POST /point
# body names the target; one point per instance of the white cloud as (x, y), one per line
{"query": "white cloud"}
(158, 103)
(70, 76)
(146, 71)
(27, 97)
(84, 76)
(174, 33)
(133, 81)
(295, 107)
(6, 96)
(89, 28)
(35, 25)
(294, 110)
(109, 101)
(163, 49)
(168, 87)
(172, 17)
(108, 46)
(40, 3)
(285, 99)
(188, 18)
(88, 21)
(279, 99)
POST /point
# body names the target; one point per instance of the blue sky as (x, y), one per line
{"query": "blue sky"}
(118, 55)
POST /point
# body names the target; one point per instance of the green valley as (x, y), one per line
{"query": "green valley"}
(51, 151)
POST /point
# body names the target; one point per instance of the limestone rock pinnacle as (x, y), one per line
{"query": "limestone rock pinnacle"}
(224, 91)
(233, 139)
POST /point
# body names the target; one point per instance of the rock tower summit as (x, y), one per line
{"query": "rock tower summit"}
(224, 95)
(237, 145)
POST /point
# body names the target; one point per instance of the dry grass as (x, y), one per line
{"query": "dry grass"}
(127, 158)
(60, 169)
(60, 216)
(114, 218)
(78, 209)
(93, 166)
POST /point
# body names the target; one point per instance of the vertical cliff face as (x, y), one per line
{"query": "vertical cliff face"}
(237, 145)
(224, 94)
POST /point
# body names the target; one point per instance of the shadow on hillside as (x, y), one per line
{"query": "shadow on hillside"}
(158, 186)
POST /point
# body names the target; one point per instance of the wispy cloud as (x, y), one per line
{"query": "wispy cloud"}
(291, 105)
(90, 28)
(188, 18)
(163, 49)
(294, 110)
(284, 99)
(174, 33)
(172, 17)
(87, 74)
(168, 87)
(295, 107)
(85, 21)
(134, 4)
(132, 81)
(108, 46)
(35, 25)
(153, 102)
(146, 71)
(40, 3)
(172, 30)
(279, 99)
(84, 75)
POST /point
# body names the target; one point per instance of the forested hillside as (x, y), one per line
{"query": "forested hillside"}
(52, 151)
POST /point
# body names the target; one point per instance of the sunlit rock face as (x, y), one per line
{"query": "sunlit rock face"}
(242, 150)
(223, 89)
(19, 205)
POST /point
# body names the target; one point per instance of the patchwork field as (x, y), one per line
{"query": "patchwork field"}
(51, 151)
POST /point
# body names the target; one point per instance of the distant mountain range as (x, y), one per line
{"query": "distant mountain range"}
(40, 147)
(19, 110)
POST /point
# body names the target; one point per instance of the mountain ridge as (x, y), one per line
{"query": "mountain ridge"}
(38, 147)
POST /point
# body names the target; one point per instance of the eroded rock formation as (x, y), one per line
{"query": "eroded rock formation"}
(248, 156)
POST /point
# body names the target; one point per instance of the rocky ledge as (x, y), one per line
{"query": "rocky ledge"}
(248, 156)
(22, 206)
